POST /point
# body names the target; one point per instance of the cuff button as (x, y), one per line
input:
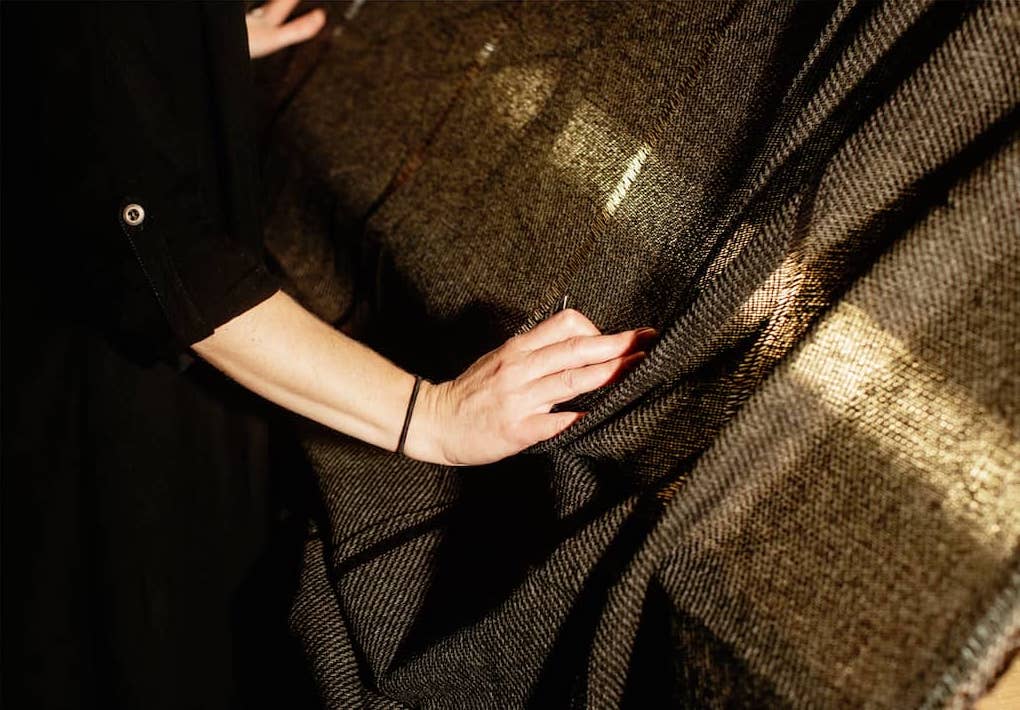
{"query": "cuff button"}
(133, 214)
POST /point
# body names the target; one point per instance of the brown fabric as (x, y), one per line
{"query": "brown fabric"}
(807, 495)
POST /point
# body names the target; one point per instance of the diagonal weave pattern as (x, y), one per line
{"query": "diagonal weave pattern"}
(807, 495)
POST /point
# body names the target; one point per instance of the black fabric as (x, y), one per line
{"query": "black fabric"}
(807, 494)
(141, 568)
(149, 103)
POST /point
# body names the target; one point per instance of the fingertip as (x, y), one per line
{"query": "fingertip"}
(566, 419)
(625, 364)
(575, 319)
(642, 337)
(316, 20)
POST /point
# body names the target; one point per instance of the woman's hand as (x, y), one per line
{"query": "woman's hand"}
(268, 32)
(501, 404)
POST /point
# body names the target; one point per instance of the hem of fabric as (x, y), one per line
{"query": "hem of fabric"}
(985, 657)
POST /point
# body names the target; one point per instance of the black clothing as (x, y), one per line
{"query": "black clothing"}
(134, 501)
(112, 104)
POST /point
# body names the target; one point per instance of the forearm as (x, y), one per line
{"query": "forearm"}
(497, 407)
(284, 353)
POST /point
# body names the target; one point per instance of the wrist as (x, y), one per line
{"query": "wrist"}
(427, 426)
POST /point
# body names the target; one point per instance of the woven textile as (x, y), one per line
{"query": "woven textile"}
(807, 495)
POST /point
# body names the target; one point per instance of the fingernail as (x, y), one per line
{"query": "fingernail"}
(645, 332)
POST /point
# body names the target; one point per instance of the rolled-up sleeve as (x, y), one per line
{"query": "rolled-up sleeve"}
(179, 183)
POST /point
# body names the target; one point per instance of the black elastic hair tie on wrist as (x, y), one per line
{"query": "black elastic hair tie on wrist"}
(407, 417)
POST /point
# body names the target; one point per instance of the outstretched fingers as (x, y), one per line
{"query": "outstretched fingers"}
(567, 384)
(583, 350)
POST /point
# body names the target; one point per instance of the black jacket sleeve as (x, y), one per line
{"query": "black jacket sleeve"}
(130, 170)
(181, 164)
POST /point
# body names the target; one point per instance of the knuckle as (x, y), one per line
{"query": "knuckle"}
(513, 375)
(568, 378)
(577, 343)
(496, 366)
(503, 375)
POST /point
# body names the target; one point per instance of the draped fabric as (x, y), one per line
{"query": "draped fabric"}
(807, 495)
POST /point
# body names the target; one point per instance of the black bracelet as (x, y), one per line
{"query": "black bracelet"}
(407, 417)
